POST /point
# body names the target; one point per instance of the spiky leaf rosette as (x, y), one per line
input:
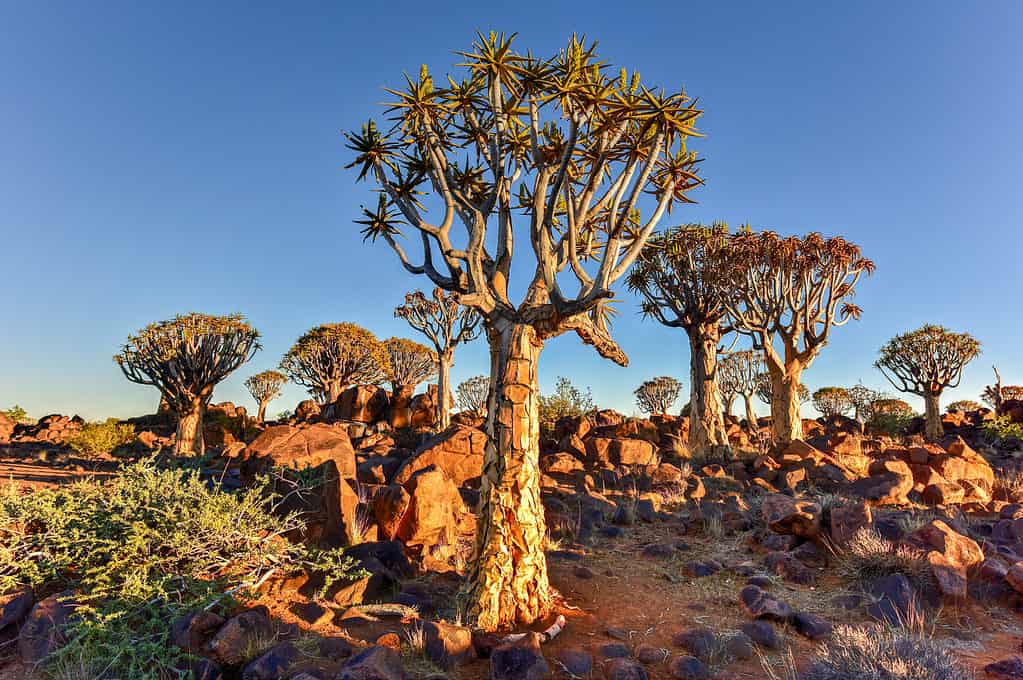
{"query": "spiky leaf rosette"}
(185, 357)
(336, 355)
(410, 362)
(928, 360)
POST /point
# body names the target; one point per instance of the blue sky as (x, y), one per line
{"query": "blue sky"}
(166, 157)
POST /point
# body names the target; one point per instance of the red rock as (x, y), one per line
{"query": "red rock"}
(458, 451)
(362, 403)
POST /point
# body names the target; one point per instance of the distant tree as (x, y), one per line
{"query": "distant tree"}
(447, 323)
(567, 400)
(739, 374)
(892, 407)
(964, 406)
(472, 395)
(788, 295)
(765, 392)
(862, 399)
(409, 364)
(329, 358)
(17, 414)
(890, 416)
(264, 388)
(995, 395)
(832, 401)
(925, 362)
(681, 275)
(185, 357)
(655, 396)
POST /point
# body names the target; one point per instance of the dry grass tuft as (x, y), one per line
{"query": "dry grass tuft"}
(868, 556)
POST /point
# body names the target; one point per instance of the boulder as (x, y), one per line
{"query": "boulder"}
(373, 663)
(458, 451)
(43, 631)
(273, 664)
(6, 427)
(362, 403)
(307, 410)
(786, 515)
(233, 642)
(15, 606)
(848, 518)
(889, 482)
(762, 605)
(519, 660)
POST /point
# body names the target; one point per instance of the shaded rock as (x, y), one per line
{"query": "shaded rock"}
(362, 403)
(273, 664)
(688, 668)
(1006, 669)
(811, 626)
(894, 596)
(15, 606)
(624, 669)
(739, 647)
(762, 605)
(519, 660)
(578, 662)
(447, 645)
(193, 631)
(613, 650)
(239, 635)
(700, 642)
(787, 515)
(763, 634)
(373, 663)
(847, 519)
(42, 631)
(648, 654)
(888, 483)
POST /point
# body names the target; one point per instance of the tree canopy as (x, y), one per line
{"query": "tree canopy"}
(409, 363)
(330, 357)
(655, 396)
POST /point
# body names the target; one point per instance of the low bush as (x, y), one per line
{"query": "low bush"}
(96, 439)
(140, 549)
(994, 431)
(891, 424)
(868, 556)
(879, 653)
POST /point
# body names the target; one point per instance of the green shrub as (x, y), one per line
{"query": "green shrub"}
(891, 424)
(995, 431)
(95, 439)
(567, 400)
(17, 414)
(142, 548)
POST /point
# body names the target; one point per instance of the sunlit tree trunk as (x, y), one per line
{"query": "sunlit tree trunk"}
(706, 421)
(444, 361)
(751, 416)
(189, 438)
(333, 392)
(261, 414)
(728, 405)
(786, 422)
(933, 428)
(507, 581)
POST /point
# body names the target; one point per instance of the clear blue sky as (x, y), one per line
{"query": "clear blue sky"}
(157, 158)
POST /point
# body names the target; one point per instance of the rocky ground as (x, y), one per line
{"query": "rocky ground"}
(666, 566)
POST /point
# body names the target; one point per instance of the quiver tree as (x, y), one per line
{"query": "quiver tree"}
(472, 395)
(328, 358)
(739, 374)
(925, 362)
(832, 401)
(655, 396)
(862, 399)
(963, 406)
(995, 395)
(765, 391)
(185, 357)
(264, 388)
(447, 324)
(788, 294)
(680, 276)
(409, 364)
(573, 150)
(891, 407)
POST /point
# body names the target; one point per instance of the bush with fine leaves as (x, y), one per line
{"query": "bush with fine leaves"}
(879, 653)
(141, 549)
(95, 439)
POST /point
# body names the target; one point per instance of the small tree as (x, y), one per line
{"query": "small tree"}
(995, 395)
(682, 277)
(655, 396)
(788, 294)
(863, 399)
(264, 388)
(447, 324)
(574, 150)
(964, 406)
(567, 400)
(832, 401)
(409, 364)
(739, 374)
(328, 358)
(472, 395)
(185, 357)
(925, 362)
(765, 391)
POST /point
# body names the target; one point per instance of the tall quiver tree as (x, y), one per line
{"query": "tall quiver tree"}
(787, 295)
(739, 374)
(328, 358)
(679, 275)
(264, 388)
(447, 324)
(185, 357)
(655, 396)
(573, 150)
(925, 362)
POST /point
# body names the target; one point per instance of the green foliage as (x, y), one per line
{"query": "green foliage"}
(994, 431)
(95, 439)
(141, 549)
(567, 400)
(17, 414)
(891, 424)
(963, 406)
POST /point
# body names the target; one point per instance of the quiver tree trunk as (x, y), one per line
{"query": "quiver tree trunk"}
(507, 580)
(333, 392)
(751, 416)
(727, 407)
(188, 440)
(444, 361)
(261, 414)
(786, 421)
(933, 427)
(706, 420)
